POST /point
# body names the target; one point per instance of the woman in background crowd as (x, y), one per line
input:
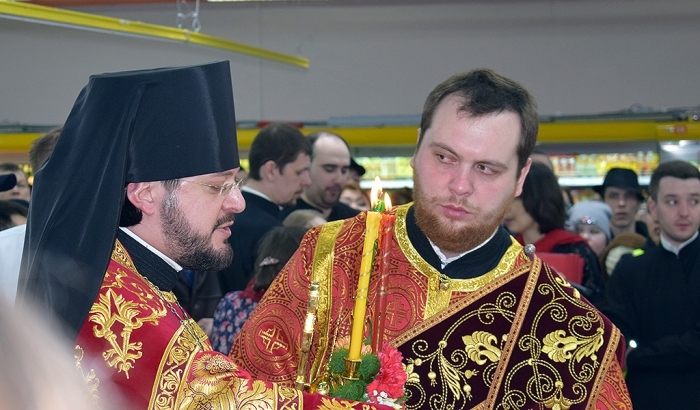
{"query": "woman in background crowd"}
(591, 220)
(537, 217)
(355, 197)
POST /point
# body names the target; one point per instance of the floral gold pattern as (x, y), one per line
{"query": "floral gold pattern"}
(561, 348)
(527, 366)
(481, 347)
(172, 364)
(112, 311)
(330, 403)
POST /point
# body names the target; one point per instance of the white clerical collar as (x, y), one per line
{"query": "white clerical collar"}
(444, 260)
(676, 248)
(167, 260)
(250, 190)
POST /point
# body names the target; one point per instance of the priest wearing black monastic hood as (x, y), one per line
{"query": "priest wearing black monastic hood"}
(141, 184)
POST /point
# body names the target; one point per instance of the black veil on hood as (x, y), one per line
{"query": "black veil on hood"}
(136, 126)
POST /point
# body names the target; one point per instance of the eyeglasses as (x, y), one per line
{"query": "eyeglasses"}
(222, 190)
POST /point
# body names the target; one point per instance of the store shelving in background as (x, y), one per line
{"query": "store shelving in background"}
(582, 148)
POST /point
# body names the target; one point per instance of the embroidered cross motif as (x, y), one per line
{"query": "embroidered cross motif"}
(270, 340)
(395, 312)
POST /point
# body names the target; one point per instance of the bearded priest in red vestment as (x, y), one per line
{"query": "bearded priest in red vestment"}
(141, 184)
(480, 323)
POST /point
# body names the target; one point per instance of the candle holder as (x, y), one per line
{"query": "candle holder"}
(351, 367)
(307, 337)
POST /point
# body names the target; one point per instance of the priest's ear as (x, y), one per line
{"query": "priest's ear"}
(141, 195)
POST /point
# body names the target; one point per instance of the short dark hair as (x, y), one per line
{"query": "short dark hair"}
(542, 198)
(278, 244)
(486, 92)
(7, 209)
(278, 142)
(42, 147)
(676, 169)
(314, 136)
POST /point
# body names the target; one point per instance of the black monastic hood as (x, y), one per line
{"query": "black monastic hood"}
(136, 126)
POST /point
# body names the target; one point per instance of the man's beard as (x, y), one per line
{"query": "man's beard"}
(331, 196)
(452, 238)
(189, 248)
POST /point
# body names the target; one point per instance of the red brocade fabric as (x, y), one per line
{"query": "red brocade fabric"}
(517, 337)
(135, 352)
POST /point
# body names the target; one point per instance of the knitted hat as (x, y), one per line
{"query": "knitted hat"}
(592, 213)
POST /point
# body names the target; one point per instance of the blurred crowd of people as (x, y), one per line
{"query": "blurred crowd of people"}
(633, 254)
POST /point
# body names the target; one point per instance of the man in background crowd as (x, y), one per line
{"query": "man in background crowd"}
(652, 297)
(622, 192)
(329, 172)
(356, 171)
(279, 172)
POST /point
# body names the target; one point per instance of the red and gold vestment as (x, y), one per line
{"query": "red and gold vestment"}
(516, 337)
(137, 345)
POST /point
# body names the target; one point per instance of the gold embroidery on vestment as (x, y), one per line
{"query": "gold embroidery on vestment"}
(494, 362)
(323, 274)
(212, 385)
(271, 341)
(458, 368)
(330, 403)
(111, 308)
(440, 287)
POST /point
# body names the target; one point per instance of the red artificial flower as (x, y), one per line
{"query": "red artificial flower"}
(391, 377)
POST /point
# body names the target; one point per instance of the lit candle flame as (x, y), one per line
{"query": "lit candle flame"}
(375, 192)
(387, 202)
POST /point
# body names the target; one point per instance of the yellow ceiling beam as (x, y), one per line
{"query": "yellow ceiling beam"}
(75, 19)
(628, 131)
(617, 131)
(18, 142)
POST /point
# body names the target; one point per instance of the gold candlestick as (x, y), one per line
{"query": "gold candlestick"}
(307, 337)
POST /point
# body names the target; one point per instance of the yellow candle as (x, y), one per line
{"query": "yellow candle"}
(357, 333)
